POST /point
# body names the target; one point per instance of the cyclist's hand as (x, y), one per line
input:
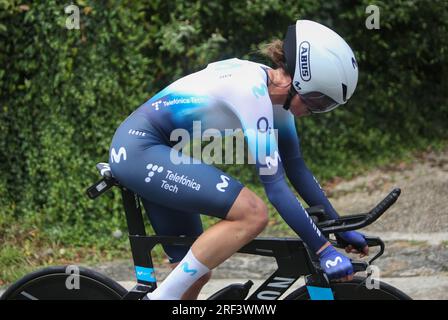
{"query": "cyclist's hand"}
(354, 242)
(335, 264)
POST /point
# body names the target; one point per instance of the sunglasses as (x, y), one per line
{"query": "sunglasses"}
(315, 102)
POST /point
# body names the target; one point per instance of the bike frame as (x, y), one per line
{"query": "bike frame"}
(293, 258)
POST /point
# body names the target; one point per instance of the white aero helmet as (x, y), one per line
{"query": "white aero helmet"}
(321, 64)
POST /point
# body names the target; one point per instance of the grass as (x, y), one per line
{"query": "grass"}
(27, 247)
(418, 243)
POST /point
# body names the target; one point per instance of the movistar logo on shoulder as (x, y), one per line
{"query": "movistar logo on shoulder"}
(273, 161)
(304, 61)
(272, 164)
(259, 91)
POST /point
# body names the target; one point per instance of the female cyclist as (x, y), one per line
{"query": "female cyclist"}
(315, 72)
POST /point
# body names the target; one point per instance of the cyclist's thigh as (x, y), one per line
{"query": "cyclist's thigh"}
(149, 171)
(170, 222)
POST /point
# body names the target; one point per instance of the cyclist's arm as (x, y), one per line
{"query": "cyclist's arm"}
(292, 211)
(307, 186)
(296, 170)
(249, 100)
(271, 174)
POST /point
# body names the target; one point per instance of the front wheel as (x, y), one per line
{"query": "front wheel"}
(355, 290)
(62, 283)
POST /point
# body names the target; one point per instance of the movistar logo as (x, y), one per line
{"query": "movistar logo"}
(354, 63)
(186, 270)
(116, 156)
(259, 91)
(224, 184)
(333, 263)
(304, 61)
(273, 161)
(145, 274)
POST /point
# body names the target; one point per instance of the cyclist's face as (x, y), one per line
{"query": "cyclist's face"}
(298, 107)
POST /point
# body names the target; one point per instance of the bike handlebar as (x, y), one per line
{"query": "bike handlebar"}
(354, 222)
(387, 202)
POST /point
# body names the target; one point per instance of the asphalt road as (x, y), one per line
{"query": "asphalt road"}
(420, 288)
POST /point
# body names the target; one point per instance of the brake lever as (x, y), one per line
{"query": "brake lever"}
(375, 242)
(371, 242)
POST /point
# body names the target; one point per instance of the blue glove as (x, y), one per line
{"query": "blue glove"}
(354, 238)
(335, 264)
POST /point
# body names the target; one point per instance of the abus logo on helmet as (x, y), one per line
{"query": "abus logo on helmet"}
(304, 61)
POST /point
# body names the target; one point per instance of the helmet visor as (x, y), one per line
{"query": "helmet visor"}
(318, 102)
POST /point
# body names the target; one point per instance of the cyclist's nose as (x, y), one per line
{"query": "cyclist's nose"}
(298, 107)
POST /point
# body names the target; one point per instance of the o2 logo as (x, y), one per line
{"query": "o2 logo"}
(263, 125)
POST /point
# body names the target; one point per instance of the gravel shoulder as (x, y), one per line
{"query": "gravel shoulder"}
(422, 206)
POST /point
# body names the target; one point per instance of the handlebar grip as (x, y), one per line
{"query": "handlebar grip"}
(376, 212)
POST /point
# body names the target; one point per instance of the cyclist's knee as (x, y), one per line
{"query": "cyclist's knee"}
(260, 218)
(251, 210)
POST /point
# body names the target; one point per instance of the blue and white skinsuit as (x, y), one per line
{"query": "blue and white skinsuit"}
(228, 94)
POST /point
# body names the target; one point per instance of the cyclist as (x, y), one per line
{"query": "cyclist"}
(315, 72)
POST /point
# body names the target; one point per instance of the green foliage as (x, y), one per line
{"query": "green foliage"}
(64, 92)
(401, 100)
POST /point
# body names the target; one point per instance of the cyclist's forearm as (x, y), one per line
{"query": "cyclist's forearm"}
(307, 186)
(292, 211)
